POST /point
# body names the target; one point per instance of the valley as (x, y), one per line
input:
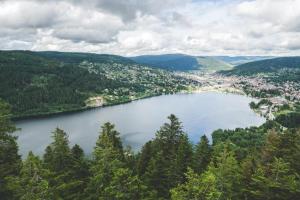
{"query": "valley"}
(234, 113)
(149, 100)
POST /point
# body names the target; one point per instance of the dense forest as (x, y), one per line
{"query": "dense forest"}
(36, 83)
(254, 163)
(273, 65)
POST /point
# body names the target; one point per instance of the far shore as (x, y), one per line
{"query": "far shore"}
(63, 112)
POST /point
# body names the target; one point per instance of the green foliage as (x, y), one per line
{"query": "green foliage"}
(109, 139)
(32, 183)
(144, 158)
(202, 155)
(68, 168)
(171, 155)
(261, 102)
(275, 181)
(266, 66)
(39, 83)
(10, 160)
(200, 187)
(111, 178)
(244, 141)
(228, 174)
(254, 163)
(181, 62)
(289, 120)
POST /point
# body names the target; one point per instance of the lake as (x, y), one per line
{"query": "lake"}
(137, 122)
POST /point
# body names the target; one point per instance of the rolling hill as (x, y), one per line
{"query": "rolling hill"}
(37, 83)
(178, 62)
(182, 62)
(211, 64)
(238, 60)
(266, 66)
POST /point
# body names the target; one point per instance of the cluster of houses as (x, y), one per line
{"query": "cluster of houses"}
(278, 94)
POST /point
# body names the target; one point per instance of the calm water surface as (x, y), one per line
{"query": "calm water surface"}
(200, 113)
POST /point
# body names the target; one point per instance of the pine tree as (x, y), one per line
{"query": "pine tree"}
(111, 178)
(60, 153)
(10, 160)
(183, 160)
(109, 138)
(200, 187)
(228, 174)
(275, 181)
(58, 159)
(130, 159)
(289, 148)
(32, 184)
(270, 148)
(157, 175)
(202, 155)
(144, 158)
(79, 171)
(125, 186)
(170, 157)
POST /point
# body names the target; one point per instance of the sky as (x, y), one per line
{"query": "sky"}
(139, 27)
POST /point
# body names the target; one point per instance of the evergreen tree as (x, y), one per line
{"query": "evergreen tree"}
(130, 159)
(248, 167)
(200, 187)
(125, 186)
(144, 158)
(79, 171)
(109, 138)
(59, 160)
(32, 184)
(202, 155)
(270, 148)
(289, 148)
(10, 160)
(111, 179)
(172, 154)
(58, 153)
(157, 175)
(183, 159)
(275, 181)
(228, 174)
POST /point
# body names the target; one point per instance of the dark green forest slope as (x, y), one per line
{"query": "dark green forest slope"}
(37, 83)
(178, 62)
(253, 163)
(266, 66)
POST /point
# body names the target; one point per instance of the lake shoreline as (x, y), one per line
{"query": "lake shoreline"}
(138, 121)
(230, 90)
(77, 110)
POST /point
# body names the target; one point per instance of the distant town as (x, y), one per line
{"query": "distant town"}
(271, 96)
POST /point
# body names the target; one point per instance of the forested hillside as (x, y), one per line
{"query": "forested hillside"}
(179, 62)
(253, 163)
(211, 64)
(182, 62)
(37, 83)
(267, 66)
(239, 60)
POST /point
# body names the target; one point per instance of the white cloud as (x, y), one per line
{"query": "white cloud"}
(132, 27)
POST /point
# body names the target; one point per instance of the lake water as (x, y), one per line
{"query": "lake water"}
(137, 122)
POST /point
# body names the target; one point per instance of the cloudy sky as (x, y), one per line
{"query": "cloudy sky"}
(135, 27)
